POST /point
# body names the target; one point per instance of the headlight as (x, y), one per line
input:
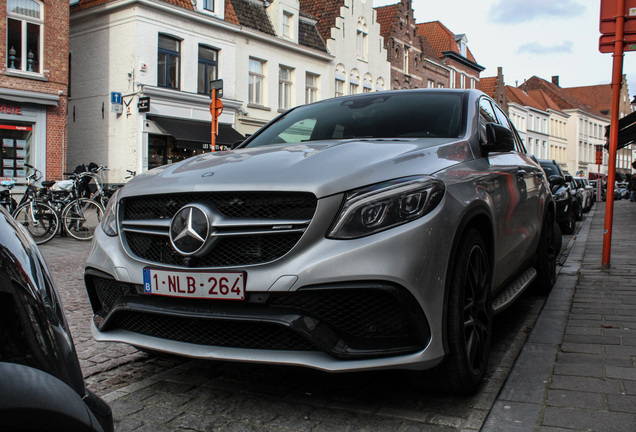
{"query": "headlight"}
(560, 196)
(109, 221)
(386, 205)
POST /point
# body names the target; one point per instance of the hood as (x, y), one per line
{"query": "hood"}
(324, 168)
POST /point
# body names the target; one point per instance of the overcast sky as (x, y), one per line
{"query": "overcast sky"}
(530, 37)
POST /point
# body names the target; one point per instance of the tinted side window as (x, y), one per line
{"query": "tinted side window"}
(486, 114)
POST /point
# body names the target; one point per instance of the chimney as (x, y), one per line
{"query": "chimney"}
(555, 80)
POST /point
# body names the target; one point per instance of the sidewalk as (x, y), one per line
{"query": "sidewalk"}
(577, 371)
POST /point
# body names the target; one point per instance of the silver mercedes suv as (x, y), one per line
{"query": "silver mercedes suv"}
(375, 231)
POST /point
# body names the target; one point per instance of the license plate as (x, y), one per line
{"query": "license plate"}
(200, 285)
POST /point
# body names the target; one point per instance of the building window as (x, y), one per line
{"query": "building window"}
(256, 82)
(168, 62)
(379, 84)
(339, 88)
(288, 25)
(208, 5)
(362, 42)
(24, 35)
(284, 87)
(311, 88)
(405, 60)
(367, 83)
(208, 70)
(354, 81)
(431, 84)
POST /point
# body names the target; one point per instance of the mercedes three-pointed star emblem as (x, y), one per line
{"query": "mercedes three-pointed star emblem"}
(189, 230)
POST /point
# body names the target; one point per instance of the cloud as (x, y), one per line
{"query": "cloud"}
(518, 11)
(537, 48)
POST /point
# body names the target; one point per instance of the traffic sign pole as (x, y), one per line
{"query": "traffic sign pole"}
(617, 79)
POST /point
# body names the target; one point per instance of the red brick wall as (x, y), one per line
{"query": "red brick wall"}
(55, 71)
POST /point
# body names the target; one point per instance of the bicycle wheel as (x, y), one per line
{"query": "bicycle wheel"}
(40, 220)
(81, 218)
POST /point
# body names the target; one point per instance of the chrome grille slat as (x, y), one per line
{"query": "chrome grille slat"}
(252, 228)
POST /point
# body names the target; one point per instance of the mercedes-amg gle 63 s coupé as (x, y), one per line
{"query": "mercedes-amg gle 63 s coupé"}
(374, 231)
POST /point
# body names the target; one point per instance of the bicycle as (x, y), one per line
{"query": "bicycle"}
(6, 196)
(39, 218)
(79, 215)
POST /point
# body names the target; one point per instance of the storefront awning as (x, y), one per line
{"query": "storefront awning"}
(195, 135)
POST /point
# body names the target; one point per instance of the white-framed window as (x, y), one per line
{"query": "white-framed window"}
(431, 84)
(367, 83)
(379, 84)
(339, 88)
(285, 87)
(24, 35)
(353, 88)
(288, 25)
(354, 82)
(256, 82)
(208, 5)
(311, 87)
(362, 39)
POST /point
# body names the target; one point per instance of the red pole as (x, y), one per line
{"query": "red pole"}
(213, 126)
(617, 80)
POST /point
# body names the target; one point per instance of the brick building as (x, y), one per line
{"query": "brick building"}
(33, 87)
(414, 62)
(452, 49)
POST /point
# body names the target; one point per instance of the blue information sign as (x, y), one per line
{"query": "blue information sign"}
(115, 98)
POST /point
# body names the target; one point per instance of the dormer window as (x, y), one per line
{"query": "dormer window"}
(24, 35)
(208, 5)
(288, 25)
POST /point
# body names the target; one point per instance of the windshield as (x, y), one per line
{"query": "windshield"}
(376, 115)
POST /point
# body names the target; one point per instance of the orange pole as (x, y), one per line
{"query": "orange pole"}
(213, 112)
(617, 79)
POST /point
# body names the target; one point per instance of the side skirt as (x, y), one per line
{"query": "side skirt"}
(509, 294)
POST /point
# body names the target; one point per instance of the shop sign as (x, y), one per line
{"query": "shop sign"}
(10, 109)
(18, 128)
(144, 104)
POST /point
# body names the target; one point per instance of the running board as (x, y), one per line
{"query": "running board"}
(509, 294)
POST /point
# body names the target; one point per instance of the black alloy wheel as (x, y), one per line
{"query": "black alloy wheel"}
(469, 317)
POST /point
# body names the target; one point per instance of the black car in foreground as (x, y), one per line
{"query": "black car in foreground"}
(41, 384)
(568, 206)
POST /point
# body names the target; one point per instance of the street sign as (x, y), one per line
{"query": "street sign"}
(143, 105)
(608, 17)
(217, 86)
(606, 43)
(115, 98)
(217, 105)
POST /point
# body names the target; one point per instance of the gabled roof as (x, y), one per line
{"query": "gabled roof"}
(325, 11)
(387, 16)
(518, 96)
(543, 100)
(487, 85)
(598, 97)
(563, 99)
(441, 39)
(253, 15)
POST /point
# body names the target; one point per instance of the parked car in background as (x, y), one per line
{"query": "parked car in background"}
(621, 187)
(365, 232)
(584, 192)
(567, 203)
(41, 383)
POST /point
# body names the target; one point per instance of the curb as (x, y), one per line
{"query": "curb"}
(521, 402)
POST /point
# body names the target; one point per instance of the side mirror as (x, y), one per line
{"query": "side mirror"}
(498, 139)
(556, 180)
(568, 178)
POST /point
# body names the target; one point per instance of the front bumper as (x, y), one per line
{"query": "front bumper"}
(337, 305)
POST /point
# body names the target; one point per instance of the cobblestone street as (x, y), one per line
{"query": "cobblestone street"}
(171, 394)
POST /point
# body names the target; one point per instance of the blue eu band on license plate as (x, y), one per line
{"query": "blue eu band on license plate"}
(200, 285)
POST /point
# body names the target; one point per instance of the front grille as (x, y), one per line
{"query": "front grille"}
(235, 334)
(233, 251)
(256, 205)
(371, 319)
(264, 226)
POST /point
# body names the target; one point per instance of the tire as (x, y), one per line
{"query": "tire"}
(547, 254)
(41, 220)
(81, 218)
(570, 225)
(559, 237)
(579, 212)
(469, 318)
